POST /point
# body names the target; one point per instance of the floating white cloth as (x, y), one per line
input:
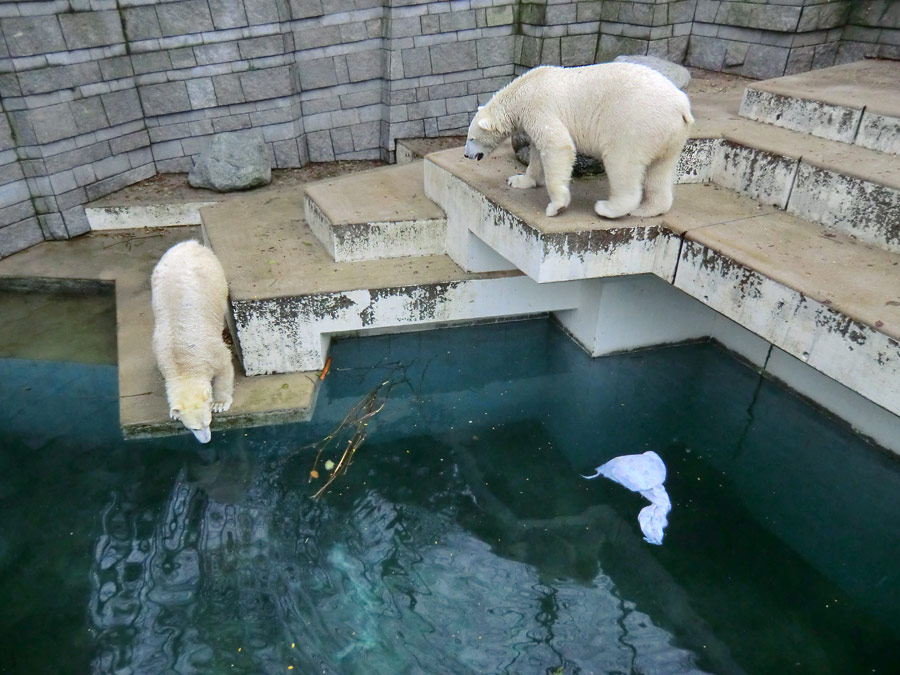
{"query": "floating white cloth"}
(646, 474)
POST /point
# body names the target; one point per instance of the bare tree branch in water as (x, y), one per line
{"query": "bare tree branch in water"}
(354, 424)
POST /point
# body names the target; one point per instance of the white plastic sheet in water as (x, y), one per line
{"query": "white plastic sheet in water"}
(646, 474)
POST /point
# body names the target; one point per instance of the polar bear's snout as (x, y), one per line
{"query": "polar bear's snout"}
(473, 151)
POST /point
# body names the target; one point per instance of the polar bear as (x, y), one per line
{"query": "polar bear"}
(190, 297)
(628, 115)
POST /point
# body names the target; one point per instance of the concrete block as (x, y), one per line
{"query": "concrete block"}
(141, 23)
(286, 154)
(454, 57)
(499, 51)
(76, 222)
(228, 89)
(865, 210)
(231, 123)
(222, 52)
(261, 12)
(151, 62)
(53, 123)
(317, 73)
(26, 36)
(319, 146)
(89, 114)
(122, 106)
(53, 226)
(129, 142)
(269, 83)
(416, 61)
(83, 30)
(304, 9)
(458, 20)
(268, 45)
(192, 16)
(116, 68)
(201, 92)
(503, 15)
(611, 46)
(764, 61)
(578, 50)
(63, 77)
(19, 236)
(163, 99)
(836, 123)
(227, 14)
(363, 66)
(879, 132)
(763, 176)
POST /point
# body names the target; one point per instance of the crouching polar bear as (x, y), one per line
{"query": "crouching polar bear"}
(189, 297)
(630, 116)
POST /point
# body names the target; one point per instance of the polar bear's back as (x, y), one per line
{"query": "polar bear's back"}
(599, 103)
(189, 298)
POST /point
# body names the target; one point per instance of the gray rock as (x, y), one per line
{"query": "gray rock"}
(583, 166)
(680, 75)
(234, 161)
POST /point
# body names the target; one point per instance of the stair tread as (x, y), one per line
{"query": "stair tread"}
(855, 278)
(386, 194)
(268, 251)
(869, 84)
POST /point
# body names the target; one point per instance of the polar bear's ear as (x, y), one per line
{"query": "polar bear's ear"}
(486, 123)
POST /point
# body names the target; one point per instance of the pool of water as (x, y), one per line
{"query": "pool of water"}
(463, 538)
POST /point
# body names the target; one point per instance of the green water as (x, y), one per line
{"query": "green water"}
(463, 539)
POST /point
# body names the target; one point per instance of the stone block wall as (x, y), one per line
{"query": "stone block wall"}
(872, 31)
(99, 94)
(769, 38)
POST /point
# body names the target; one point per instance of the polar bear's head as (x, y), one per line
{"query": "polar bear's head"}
(485, 134)
(190, 402)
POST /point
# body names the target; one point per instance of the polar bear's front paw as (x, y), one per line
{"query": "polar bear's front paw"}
(222, 405)
(521, 181)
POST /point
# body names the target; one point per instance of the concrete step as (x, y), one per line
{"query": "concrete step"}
(126, 260)
(855, 103)
(375, 214)
(819, 295)
(289, 297)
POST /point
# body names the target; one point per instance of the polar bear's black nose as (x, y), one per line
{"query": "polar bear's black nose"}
(479, 156)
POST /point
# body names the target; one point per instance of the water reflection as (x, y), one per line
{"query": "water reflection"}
(243, 571)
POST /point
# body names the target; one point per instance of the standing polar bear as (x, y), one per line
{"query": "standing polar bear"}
(630, 116)
(190, 298)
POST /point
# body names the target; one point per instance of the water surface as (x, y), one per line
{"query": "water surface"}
(463, 539)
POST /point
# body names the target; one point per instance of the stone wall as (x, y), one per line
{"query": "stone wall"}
(99, 94)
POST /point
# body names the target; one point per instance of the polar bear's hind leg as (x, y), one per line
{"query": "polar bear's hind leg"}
(626, 179)
(658, 186)
(223, 381)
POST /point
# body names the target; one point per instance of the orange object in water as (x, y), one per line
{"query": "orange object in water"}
(325, 369)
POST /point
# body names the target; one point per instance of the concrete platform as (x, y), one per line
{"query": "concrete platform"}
(853, 103)
(126, 259)
(289, 296)
(382, 213)
(818, 295)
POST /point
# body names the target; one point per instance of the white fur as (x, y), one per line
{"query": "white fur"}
(628, 115)
(190, 298)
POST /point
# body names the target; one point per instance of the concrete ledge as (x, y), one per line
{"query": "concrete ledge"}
(817, 294)
(377, 214)
(126, 259)
(289, 296)
(854, 103)
(144, 216)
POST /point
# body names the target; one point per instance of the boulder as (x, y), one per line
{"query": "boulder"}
(679, 75)
(237, 160)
